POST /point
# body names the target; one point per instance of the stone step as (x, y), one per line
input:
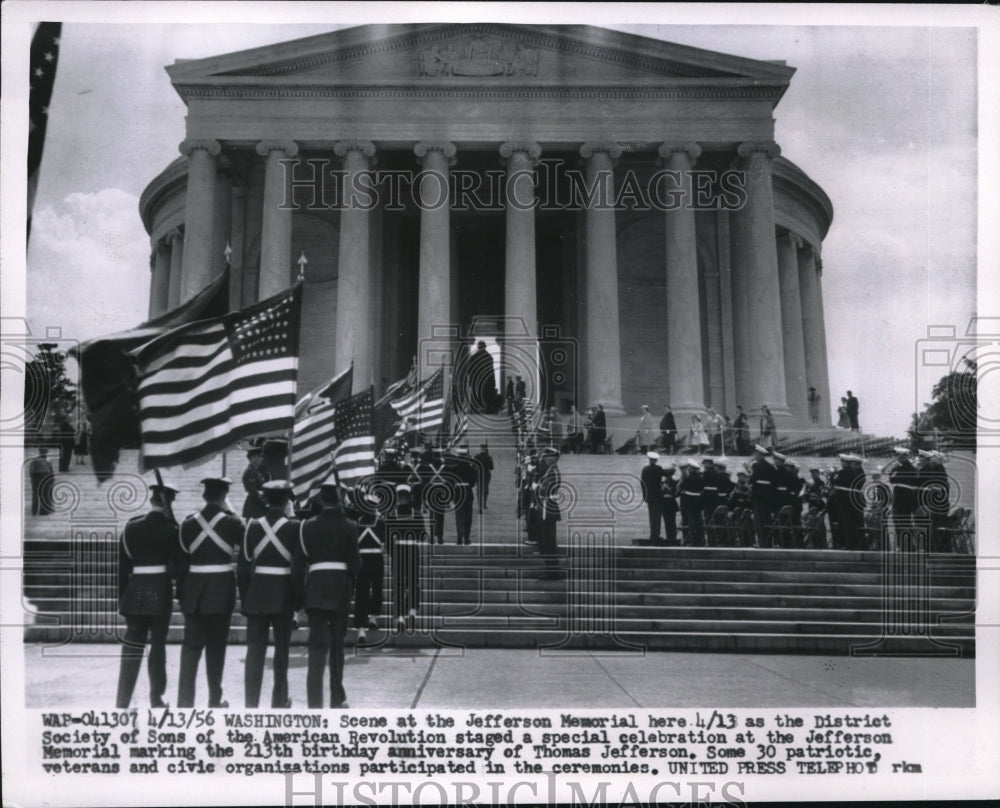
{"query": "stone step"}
(619, 642)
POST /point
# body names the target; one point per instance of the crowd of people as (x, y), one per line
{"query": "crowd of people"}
(905, 506)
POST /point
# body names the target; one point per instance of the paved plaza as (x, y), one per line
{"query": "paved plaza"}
(85, 675)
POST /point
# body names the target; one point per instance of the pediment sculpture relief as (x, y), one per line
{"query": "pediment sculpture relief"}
(479, 56)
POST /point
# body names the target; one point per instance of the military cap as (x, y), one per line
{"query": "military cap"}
(164, 486)
(403, 488)
(901, 450)
(653, 455)
(778, 456)
(708, 460)
(216, 481)
(693, 464)
(925, 453)
(280, 485)
(758, 448)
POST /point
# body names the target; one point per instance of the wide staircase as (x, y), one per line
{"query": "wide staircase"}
(612, 596)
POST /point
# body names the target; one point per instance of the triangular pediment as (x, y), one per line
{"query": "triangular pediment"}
(473, 53)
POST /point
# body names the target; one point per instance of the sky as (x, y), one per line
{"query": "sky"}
(884, 119)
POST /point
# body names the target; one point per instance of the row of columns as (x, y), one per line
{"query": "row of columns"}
(778, 329)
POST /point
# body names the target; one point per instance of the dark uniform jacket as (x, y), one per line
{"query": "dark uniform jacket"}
(263, 590)
(464, 475)
(652, 483)
(329, 537)
(762, 480)
(485, 462)
(905, 482)
(208, 592)
(147, 541)
(710, 494)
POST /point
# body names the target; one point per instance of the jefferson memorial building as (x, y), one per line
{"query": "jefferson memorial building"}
(611, 205)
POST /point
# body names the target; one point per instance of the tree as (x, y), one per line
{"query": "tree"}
(954, 411)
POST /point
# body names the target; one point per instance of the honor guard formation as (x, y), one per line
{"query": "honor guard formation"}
(327, 561)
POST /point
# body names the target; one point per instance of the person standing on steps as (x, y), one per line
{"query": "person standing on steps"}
(206, 585)
(145, 594)
(485, 462)
(406, 532)
(651, 478)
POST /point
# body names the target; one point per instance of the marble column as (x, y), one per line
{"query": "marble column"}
(276, 230)
(763, 300)
(791, 328)
(199, 215)
(354, 339)
(602, 343)
(814, 331)
(159, 286)
(520, 290)
(176, 243)
(684, 364)
(434, 296)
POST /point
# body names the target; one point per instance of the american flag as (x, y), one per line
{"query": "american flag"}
(354, 456)
(314, 434)
(400, 387)
(423, 408)
(44, 57)
(203, 386)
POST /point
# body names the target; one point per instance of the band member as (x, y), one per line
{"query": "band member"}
(209, 542)
(269, 593)
(669, 488)
(691, 486)
(329, 553)
(145, 594)
(710, 499)
(405, 531)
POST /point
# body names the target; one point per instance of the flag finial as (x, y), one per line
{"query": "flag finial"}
(228, 252)
(302, 265)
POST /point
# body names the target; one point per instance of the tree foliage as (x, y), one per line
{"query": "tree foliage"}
(954, 410)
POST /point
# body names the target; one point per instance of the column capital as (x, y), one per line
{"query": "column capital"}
(608, 147)
(509, 148)
(692, 150)
(795, 241)
(445, 147)
(342, 147)
(187, 147)
(289, 147)
(749, 147)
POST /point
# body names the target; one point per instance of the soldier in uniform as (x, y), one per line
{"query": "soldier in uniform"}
(405, 531)
(840, 491)
(254, 478)
(526, 499)
(371, 573)
(848, 486)
(437, 491)
(651, 478)
(876, 517)
(547, 494)
(209, 542)
(762, 494)
(330, 561)
(145, 594)
(691, 486)
(464, 475)
(710, 499)
(269, 593)
(905, 483)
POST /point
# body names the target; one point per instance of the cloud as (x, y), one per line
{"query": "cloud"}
(88, 265)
